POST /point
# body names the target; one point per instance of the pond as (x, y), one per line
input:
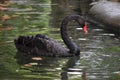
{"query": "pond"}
(99, 58)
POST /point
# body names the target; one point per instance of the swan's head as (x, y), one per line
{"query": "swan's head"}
(80, 20)
(82, 23)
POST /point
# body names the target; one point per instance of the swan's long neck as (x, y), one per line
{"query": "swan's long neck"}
(74, 49)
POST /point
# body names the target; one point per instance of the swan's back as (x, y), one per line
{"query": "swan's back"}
(40, 45)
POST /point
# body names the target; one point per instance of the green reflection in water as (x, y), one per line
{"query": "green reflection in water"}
(112, 49)
(8, 65)
(29, 20)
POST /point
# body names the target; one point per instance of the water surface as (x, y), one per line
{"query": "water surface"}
(99, 59)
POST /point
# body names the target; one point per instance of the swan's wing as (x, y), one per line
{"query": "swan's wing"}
(52, 46)
(40, 45)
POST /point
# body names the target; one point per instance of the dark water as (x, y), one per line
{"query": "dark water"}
(99, 59)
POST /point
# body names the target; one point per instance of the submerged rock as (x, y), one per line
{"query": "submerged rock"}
(108, 13)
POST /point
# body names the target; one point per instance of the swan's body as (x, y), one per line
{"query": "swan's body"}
(42, 45)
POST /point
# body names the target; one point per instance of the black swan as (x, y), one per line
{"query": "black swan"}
(42, 45)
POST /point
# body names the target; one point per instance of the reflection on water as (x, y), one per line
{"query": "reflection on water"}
(99, 59)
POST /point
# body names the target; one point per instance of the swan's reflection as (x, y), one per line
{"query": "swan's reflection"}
(59, 67)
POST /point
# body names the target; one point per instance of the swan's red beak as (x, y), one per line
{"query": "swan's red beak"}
(85, 28)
